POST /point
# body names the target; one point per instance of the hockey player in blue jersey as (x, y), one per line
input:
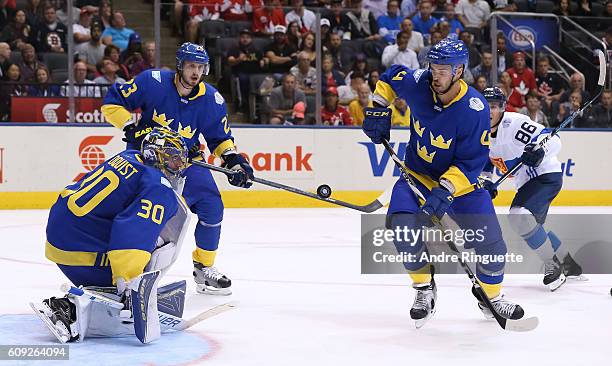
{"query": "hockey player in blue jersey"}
(106, 230)
(181, 101)
(513, 139)
(448, 148)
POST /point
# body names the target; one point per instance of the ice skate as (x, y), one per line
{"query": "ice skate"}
(424, 306)
(59, 315)
(210, 281)
(572, 270)
(503, 307)
(553, 274)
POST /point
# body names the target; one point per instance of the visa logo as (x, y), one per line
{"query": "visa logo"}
(379, 163)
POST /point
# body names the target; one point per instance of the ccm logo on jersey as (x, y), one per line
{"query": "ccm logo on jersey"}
(377, 114)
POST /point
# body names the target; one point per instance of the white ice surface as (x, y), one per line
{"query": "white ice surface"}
(302, 299)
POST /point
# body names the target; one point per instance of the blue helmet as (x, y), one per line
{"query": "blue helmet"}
(449, 52)
(194, 53)
(495, 94)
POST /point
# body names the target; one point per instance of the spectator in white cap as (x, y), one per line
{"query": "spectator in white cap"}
(325, 27)
(280, 55)
(306, 19)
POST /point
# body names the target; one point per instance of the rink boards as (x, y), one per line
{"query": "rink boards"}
(38, 161)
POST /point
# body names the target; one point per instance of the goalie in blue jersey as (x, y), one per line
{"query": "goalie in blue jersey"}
(122, 219)
(181, 101)
(448, 148)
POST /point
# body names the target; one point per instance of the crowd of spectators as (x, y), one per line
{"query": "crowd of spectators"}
(269, 65)
(359, 40)
(33, 49)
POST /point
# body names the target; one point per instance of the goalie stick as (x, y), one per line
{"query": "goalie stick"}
(600, 82)
(177, 324)
(369, 208)
(518, 325)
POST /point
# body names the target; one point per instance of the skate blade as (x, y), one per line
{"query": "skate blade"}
(419, 323)
(579, 278)
(209, 290)
(41, 315)
(554, 286)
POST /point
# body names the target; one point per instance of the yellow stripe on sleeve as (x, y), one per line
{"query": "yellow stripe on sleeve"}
(386, 91)
(128, 263)
(116, 115)
(227, 144)
(458, 180)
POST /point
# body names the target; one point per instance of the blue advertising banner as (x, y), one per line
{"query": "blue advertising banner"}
(543, 31)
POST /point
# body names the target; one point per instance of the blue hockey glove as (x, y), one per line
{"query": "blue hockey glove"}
(135, 134)
(435, 206)
(489, 185)
(244, 173)
(532, 156)
(377, 124)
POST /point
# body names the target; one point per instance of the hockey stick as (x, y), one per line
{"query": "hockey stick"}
(167, 321)
(369, 208)
(519, 325)
(601, 82)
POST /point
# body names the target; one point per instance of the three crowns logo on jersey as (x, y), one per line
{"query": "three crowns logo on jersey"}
(91, 154)
(161, 119)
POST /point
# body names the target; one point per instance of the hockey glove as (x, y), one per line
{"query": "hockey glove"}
(134, 135)
(377, 124)
(489, 185)
(244, 173)
(195, 152)
(532, 155)
(435, 206)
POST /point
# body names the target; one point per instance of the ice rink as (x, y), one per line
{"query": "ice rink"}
(302, 301)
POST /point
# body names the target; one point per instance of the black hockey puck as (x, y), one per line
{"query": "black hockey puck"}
(324, 191)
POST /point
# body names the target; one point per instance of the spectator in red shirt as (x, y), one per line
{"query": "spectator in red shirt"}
(266, 18)
(200, 10)
(514, 98)
(523, 79)
(332, 113)
(238, 9)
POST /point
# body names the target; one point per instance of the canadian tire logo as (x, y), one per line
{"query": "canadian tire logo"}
(91, 154)
(1, 165)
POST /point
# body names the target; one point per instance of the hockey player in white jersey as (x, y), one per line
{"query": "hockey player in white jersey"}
(514, 139)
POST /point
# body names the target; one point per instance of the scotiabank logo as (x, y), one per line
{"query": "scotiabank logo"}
(91, 154)
(1, 165)
(278, 161)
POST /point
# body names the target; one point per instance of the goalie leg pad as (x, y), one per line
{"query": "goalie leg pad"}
(143, 293)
